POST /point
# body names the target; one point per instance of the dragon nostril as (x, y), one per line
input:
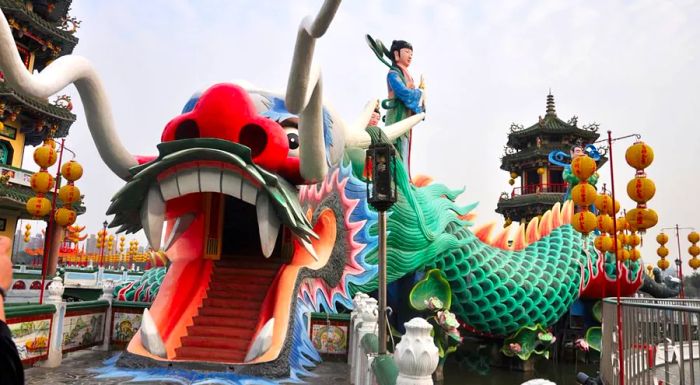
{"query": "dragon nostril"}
(188, 129)
(254, 137)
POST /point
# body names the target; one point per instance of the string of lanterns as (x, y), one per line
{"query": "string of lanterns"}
(694, 250)
(662, 252)
(27, 233)
(42, 182)
(583, 194)
(640, 189)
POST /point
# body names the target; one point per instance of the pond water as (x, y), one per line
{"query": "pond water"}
(474, 367)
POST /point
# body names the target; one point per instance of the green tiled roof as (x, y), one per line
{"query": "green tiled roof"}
(530, 153)
(530, 199)
(17, 8)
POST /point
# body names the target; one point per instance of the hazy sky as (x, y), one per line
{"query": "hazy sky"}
(631, 66)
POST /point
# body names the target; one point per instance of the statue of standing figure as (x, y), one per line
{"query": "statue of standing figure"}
(404, 97)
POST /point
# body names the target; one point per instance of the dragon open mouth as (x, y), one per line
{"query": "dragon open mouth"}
(232, 301)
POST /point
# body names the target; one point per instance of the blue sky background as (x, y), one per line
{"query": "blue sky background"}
(631, 66)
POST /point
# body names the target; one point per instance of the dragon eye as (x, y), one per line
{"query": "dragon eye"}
(293, 138)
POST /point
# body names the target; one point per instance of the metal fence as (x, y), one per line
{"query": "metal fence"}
(660, 340)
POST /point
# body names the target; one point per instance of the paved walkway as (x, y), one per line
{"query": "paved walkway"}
(75, 370)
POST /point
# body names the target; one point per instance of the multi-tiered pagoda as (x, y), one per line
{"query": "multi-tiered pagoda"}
(43, 31)
(527, 160)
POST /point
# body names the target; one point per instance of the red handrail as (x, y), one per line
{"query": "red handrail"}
(539, 188)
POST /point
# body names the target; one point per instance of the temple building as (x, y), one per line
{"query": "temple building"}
(43, 31)
(538, 184)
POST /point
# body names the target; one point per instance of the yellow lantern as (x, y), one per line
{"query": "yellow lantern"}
(540, 170)
(583, 167)
(603, 243)
(635, 254)
(694, 250)
(634, 240)
(662, 238)
(584, 222)
(694, 237)
(65, 217)
(639, 155)
(604, 203)
(41, 182)
(641, 190)
(662, 251)
(663, 264)
(38, 207)
(72, 171)
(620, 224)
(623, 254)
(642, 219)
(511, 182)
(605, 223)
(69, 193)
(513, 175)
(45, 156)
(694, 263)
(583, 194)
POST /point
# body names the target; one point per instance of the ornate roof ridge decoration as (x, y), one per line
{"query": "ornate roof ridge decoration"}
(55, 114)
(53, 110)
(17, 8)
(69, 24)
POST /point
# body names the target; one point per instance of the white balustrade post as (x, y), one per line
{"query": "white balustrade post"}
(357, 302)
(107, 295)
(367, 325)
(56, 343)
(416, 355)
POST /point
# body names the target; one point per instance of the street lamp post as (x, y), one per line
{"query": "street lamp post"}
(104, 235)
(381, 157)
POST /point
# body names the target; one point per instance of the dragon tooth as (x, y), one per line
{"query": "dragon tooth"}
(309, 247)
(153, 216)
(519, 242)
(268, 224)
(150, 337)
(262, 341)
(188, 181)
(231, 184)
(169, 188)
(532, 232)
(248, 192)
(181, 224)
(210, 179)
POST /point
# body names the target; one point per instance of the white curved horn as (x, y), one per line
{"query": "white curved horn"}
(304, 93)
(59, 74)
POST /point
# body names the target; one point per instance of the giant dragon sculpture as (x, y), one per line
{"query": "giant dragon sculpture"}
(242, 163)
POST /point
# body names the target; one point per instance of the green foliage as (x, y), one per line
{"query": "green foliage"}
(433, 295)
(593, 337)
(434, 284)
(528, 340)
(691, 285)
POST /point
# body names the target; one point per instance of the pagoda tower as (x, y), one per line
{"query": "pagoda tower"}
(539, 183)
(43, 31)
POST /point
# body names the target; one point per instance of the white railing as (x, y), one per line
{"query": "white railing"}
(660, 341)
